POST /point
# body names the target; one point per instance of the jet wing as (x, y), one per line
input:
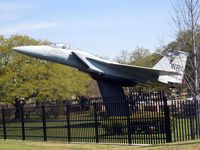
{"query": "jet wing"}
(121, 70)
(134, 69)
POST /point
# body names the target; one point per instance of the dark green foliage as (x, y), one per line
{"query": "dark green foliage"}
(115, 128)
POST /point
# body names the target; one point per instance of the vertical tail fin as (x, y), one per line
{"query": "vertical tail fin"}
(174, 61)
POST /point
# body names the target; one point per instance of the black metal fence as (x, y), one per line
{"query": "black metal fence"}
(184, 117)
(148, 119)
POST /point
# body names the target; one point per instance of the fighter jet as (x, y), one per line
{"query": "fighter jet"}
(111, 76)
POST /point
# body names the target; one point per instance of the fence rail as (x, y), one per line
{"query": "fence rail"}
(147, 120)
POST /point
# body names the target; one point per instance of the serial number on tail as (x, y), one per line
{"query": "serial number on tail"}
(177, 67)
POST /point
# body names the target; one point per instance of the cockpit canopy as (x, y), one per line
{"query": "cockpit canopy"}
(63, 46)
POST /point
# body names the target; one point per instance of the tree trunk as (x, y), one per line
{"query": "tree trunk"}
(17, 109)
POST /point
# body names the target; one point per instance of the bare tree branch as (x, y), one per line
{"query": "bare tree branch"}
(186, 18)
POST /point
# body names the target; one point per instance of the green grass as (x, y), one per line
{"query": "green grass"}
(30, 145)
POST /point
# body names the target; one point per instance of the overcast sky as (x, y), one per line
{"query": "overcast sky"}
(102, 27)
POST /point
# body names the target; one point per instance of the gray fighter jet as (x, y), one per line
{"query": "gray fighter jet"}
(111, 76)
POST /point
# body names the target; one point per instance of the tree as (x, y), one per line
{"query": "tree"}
(23, 78)
(186, 19)
(139, 56)
(124, 57)
(142, 57)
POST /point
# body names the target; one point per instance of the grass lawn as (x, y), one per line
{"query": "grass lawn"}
(29, 145)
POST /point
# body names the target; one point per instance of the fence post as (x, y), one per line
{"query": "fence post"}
(167, 119)
(96, 122)
(44, 123)
(197, 118)
(68, 123)
(128, 122)
(192, 120)
(22, 122)
(4, 124)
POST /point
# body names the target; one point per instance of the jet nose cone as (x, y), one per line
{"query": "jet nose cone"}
(27, 50)
(33, 51)
(20, 49)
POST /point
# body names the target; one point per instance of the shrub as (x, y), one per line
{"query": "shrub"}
(114, 129)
